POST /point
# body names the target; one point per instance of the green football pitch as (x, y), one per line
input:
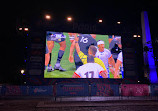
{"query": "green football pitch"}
(70, 67)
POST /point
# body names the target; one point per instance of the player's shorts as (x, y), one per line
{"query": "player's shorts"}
(56, 40)
(71, 37)
(56, 37)
(47, 51)
(59, 40)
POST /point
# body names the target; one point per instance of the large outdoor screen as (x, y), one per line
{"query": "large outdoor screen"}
(77, 55)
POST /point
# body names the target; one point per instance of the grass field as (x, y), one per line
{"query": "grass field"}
(70, 67)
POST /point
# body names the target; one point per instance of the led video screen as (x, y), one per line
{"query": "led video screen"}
(77, 55)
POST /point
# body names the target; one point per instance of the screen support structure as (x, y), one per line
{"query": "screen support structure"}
(147, 43)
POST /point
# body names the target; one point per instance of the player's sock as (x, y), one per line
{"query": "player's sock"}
(49, 68)
(57, 65)
(60, 55)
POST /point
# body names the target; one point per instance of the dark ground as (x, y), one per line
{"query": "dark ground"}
(46, 104)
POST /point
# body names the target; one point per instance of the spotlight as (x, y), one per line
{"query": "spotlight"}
(118, 22)
(22, 71)
(134, 35)
(139, 36)
(100, 20)
(47, 17)
(26, 29)
(69, 19)
(20, 28)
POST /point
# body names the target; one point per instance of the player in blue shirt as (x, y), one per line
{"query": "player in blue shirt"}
(85, 41)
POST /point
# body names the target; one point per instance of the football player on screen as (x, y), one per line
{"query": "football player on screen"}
(57, 37)
(115, 46)
(84, 41)
(91, 51)
(105, 55)
(89, 70)
(46, 56)
(116, 50)
(119, 66)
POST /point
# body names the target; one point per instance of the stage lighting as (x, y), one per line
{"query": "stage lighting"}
(20, 28)
(26, 29)
(22, 71)
(100, 20)
(139, 36)
(47, 17)
(134, 35)
(118, 22)
(69, 19)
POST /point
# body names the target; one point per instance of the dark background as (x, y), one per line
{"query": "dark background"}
(29, 13)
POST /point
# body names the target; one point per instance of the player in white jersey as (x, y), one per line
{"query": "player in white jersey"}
(90, 70)
(105, 55)
(119, 66)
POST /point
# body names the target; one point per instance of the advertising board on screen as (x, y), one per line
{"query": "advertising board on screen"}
(76, 55)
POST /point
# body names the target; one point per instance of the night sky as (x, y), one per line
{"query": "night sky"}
(15, 13)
